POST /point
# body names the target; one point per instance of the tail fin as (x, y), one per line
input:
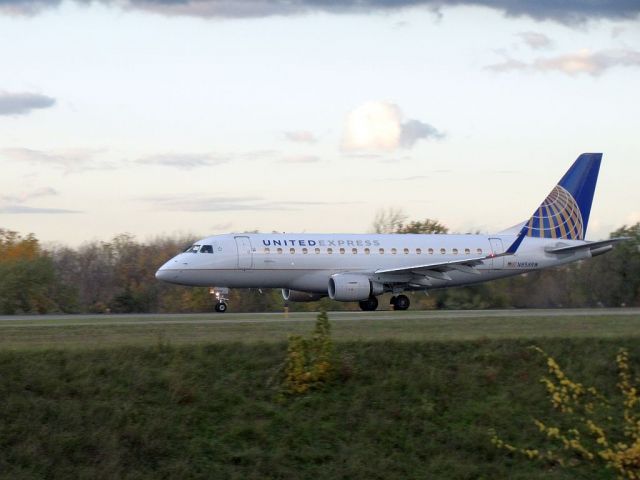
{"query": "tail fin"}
(565, 211)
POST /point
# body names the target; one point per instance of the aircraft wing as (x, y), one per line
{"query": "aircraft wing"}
(466, 265)
(602, 244)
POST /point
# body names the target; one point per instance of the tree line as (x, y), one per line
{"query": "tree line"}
(119, 276)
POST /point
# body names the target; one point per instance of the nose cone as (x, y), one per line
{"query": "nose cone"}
(167, 272)
(163, 274)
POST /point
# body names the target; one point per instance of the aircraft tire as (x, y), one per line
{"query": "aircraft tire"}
(221, 307)
(368, 305)
(402, 302)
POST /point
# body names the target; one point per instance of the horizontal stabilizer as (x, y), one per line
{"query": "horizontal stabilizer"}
(589, 245)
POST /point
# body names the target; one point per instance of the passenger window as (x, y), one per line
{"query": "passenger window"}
(292, 251)
(430, 251)
(393, 251)
(367, 251)
(266, 250)
(467, 251)
(354, 250)
(279, 250)
(206, 249)
(406, 251)
(342, 250)
(381, 251)
(418, 251)
(305, 251)
(317, 250)
(479, 251)
(443, 251)
(455, 251)
(329, 251)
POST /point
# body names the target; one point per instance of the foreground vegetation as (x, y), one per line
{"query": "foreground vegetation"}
(394, 410)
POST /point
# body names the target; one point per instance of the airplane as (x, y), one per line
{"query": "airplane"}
(360, 267)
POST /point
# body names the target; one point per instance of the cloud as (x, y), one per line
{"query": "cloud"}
(225, 226)
(301, 136)
(30, 195)
(23, 103)
(229, 204)
(69, 160)
(617, 31)
(182, 160)
(300, 159)
(582, 62)
(13, 204)
(536, 40)
(414, 130)
(379, 126)
(20, 209)
(568, 12)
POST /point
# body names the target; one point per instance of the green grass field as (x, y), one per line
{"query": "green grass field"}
(412, 398)
(108, 331)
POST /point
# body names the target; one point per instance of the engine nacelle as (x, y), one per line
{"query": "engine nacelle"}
(350, 287)
(298, 296)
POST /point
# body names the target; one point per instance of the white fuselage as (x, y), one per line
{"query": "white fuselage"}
(305, 262)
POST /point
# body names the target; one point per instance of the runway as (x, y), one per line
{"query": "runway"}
(280, 317)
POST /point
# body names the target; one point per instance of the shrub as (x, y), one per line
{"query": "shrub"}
(309, 362)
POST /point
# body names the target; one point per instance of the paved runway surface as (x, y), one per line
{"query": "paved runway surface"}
(240, 318)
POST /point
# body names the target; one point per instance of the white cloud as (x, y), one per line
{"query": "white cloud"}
(301, 159)
(183, 160)
(380, 126)
(582, 62)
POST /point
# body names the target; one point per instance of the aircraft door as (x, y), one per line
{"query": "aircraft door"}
(245, 254)
(497, 248)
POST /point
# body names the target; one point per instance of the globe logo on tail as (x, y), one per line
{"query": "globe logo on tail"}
(558, 217)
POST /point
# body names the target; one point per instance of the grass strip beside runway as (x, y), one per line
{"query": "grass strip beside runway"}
(109, 331)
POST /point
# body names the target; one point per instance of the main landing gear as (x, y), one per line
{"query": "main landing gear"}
(369, 305)
(220, 295)
(400, 302)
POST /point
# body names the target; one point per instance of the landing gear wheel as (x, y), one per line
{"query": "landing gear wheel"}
(369, 305)
(221, 307)
(401, 302)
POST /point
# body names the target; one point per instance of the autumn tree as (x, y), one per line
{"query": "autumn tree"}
(27, 277)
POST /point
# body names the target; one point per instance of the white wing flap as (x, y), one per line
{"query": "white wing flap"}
(467, 265)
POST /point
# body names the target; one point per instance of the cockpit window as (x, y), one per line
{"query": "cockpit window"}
(206, 249)
(193, 249)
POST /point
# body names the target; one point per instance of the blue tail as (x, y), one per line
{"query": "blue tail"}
(565, 211)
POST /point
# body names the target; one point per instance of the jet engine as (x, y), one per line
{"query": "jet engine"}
(350, 287)
(298, 296)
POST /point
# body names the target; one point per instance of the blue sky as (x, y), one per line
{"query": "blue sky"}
(204, 116)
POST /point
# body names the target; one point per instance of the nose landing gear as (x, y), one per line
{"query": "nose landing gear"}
(220, 294)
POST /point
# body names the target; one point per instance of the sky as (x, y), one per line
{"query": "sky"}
(199, 117)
